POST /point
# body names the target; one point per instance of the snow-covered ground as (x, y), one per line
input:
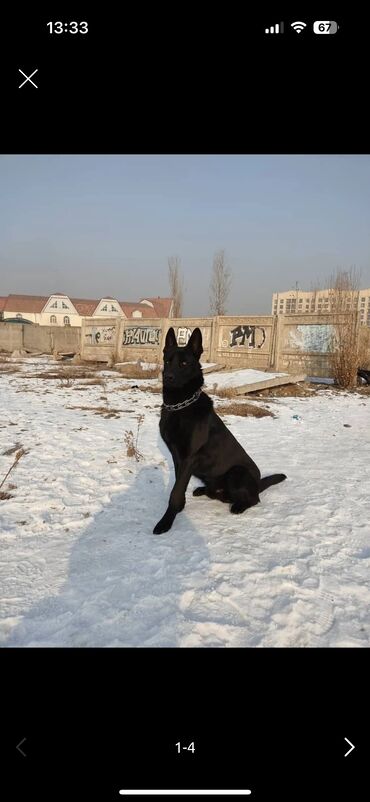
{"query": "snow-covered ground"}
(79, 565)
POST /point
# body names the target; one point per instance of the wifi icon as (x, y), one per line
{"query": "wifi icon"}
(298, 26)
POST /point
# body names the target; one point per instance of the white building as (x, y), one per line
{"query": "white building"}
(299, 302)
(61, 310)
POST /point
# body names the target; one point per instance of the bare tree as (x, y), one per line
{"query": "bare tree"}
(176, 283)
(219, 285)
(343, 305)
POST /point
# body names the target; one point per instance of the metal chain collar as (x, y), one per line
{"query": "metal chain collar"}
(183, 404)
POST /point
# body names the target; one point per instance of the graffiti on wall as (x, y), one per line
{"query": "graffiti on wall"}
(183, 335)
(141, 335)
(101, 335)
(249, 336)
(307, 337)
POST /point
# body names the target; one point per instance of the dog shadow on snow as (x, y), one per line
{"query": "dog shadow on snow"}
(125, 586)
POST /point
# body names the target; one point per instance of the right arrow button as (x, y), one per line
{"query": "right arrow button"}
(351, 749)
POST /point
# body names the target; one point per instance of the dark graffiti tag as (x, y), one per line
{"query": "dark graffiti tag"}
(141, 335)
(105, 334)
(246, 335)
(101, 335)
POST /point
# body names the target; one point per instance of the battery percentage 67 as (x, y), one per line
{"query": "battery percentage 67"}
(325, 26)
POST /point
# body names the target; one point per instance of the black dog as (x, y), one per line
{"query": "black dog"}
(199, 441)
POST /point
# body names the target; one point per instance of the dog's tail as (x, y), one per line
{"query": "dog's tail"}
(271, 480)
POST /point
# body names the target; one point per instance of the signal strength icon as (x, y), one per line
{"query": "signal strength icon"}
(278, 28)
(298, 26)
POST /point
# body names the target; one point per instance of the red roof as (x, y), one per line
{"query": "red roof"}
(162, 306)
(128, 307)
(85, 307)
(25, 303)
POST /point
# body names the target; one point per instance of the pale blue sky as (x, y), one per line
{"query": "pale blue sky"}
(105, 225)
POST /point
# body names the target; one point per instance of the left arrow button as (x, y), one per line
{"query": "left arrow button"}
(19, 747)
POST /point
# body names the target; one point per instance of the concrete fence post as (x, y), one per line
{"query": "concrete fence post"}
(214, 338)
(212, 341)
(164, 326)
(273, 342)
(279, 341)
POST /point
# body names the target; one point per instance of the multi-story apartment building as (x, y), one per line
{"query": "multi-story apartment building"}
(297, 301)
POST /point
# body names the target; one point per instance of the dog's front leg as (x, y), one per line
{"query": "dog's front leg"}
(177, 497)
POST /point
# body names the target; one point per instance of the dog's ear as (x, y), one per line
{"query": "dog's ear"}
(170, 341)
(195, 343)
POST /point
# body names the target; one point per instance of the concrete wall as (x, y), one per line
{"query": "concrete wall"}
(99, 338)
(140, 338)
(183, 328)
(286, 343)
(39, 338)
(303, 344)
(245, 341)
(144, 338)
(11, 336)
(51, 338)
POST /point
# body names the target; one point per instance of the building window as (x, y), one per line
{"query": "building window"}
(19, 315)
(64, 306)
(67, 321)
(104, 308)
(136, 313)
(113, 308)
(53, 319)
(54, 305)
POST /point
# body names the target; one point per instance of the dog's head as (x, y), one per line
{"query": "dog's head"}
(181, 364)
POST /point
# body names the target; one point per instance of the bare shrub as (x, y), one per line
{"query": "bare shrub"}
(19, 454)
(345, 343)
(106, 412)
(65, 382)
(137, 372)
(364, 347)
(222, 392)
(244, 410)
(131, 442)
(9, 367)
(150, 388)
(11, 450)
(89, 383)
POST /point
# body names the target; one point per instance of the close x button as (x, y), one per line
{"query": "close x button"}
(28, 78)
